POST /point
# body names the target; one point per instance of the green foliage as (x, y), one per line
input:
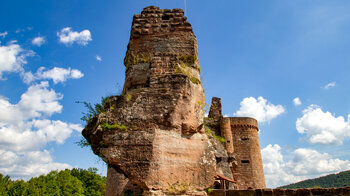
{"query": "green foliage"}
(68, 184)
(18, 187)
(210, 132)
(93, 183)
(83, 142)
(204, 106)
(341, 179)
(107, 126)
(92, 110)
(76, 182)
(4, 184)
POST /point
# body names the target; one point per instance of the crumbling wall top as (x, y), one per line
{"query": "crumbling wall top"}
(154, 20)
(215, 109)
(244, 122)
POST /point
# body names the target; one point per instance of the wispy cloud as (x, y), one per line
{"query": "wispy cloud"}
(3, 35)
(68, 37)
(38, 41)
(98, 58)
(297, 101)
(329, 85)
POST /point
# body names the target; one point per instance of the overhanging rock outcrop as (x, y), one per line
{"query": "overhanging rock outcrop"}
(152, 136)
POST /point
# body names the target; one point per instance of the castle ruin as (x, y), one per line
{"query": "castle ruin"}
(154, 136)
(242, 143)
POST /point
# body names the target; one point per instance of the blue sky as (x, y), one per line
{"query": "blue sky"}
(286, 63)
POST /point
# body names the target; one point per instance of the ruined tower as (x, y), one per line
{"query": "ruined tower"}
(249, 171)
(242, 143)
(152, 136)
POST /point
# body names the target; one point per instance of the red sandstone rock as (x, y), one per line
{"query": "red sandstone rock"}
(152, 135)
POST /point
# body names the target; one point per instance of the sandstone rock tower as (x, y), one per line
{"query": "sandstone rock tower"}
(152, 136)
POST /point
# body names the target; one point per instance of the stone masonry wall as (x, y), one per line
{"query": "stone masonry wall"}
(242, 144)
(249, 171)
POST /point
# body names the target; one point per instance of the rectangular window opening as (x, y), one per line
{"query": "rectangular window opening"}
(244, 161)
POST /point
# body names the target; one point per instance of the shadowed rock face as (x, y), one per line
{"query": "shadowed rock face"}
(152, 135)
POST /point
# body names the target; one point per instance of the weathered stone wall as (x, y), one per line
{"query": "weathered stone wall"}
(152, 135)
(242, 144)
(249, 171)
(284, 192)
(226, 132)
(215, 109)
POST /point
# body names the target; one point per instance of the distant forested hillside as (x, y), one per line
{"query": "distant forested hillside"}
(65, 182)
(341, 179)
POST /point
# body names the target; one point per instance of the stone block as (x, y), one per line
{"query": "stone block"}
(217, 192)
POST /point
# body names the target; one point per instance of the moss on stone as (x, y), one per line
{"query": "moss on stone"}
(128, 97)
(182, 69)
(190, 61)
(178, 188)
(131, 59)
(195, 80)
(115, 126)
(211, 133)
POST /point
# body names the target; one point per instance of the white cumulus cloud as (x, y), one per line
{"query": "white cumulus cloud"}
(303, 164)
(329, 85)
(56, 74)
(12, 58)
(260, 109)
(26, 129)
(297, 101)
(322, 127)
(68, 37)
(38, 41)
(29, 164)
(98, 58)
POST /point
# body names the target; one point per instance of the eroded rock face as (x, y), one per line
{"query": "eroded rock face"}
(152, 135)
